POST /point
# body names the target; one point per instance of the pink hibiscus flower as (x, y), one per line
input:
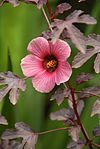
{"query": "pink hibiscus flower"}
(47, 64)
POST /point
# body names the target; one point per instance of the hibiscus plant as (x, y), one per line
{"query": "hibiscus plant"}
(50, 63)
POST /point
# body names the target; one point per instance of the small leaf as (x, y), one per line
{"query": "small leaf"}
(90, 91)
(96, 108)
(96, 131)
(59, 95)
(62, 115)
(12, 85)
(76, 145)
(83, 77)
(74, 132)
(97, 63)
(3, 121)
(62, 7)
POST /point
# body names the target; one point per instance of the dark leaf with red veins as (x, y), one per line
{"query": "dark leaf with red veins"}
(3, 121)
(15, 3)
(61, 8)
(59, 95)
(76, 145)
(97, 63)
(96, 108)
(22, 131)
(74, 132)
(62, 115)
(83, 77)
(90, 91)
(12, 85)
(96, 131)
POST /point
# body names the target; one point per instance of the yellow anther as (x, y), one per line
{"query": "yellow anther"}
(51, 64)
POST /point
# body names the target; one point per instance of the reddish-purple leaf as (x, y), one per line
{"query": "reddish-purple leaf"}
(81, 58)
(76, 145)
(15, 3)
(96, 108)
(61, 8)
(12, 85)
(74, 132)
(80, 106)
(90, 91)
(96, 131)
(97, 63)
(59, 95)
(3, 121)
(81, 1)
(83, 77)
(10, 144)
(62, 115)
(75, 35)
(22, 131)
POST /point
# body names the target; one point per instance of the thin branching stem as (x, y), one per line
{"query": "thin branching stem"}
(88, 93)
(53, 130)
(47, 19)
(96, 145)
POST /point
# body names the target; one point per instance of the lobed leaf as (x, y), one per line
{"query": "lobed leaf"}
(13, 84)
(59, 95)
(74, 33)
(22, 131)
(81, 58)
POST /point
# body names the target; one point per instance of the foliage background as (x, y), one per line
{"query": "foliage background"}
(17, 27)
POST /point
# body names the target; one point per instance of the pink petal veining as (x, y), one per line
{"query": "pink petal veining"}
(44, 82)
(35, 64)
(39, 47)
(31, 65)
(60, 49)
(63, 72)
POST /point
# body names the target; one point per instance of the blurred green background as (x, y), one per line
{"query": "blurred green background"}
(17, 27)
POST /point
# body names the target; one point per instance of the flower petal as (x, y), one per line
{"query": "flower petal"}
(44, 82)
(63, 72)
(60, 50)
(39, 47)
(31, 65)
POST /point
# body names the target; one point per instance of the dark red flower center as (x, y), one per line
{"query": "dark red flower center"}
(50, 63)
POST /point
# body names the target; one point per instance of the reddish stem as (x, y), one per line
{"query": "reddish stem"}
(78, 118)
(51, 14)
